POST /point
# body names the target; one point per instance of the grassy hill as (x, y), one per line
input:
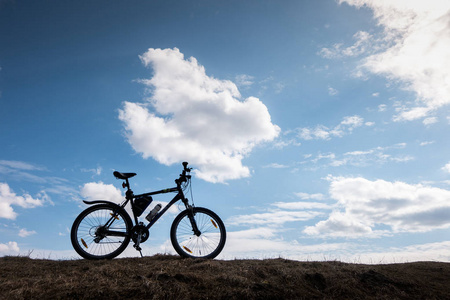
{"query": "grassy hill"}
(171, 277)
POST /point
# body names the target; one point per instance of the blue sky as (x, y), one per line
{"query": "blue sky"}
(317, 129)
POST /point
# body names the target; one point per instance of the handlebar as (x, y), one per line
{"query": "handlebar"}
(183, 176)
(186, 169)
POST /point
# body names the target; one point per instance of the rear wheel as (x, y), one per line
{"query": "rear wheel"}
(101, 232)
(210, 240)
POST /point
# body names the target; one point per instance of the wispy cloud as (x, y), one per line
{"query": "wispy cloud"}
(322, 132)
(430, 121)
(306, 196)
(363, 43)
(360, 158)
(275, 166)
(276, 217)
(24, 232)
(244, 80)
(411, 30)
(302, 205)
(97, 171)
(332, 91)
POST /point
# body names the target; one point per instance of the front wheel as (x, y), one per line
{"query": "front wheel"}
(207, 243)
(101, 231)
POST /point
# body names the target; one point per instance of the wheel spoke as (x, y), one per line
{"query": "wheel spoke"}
(91, 240)
(208, 244)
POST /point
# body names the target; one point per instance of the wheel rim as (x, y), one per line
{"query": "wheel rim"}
(204, 244)
(90, 233)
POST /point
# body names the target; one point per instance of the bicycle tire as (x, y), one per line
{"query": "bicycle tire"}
(211, 241)
(88, 221)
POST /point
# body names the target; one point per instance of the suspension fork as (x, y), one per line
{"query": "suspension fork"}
(195, 229)
(190, 214)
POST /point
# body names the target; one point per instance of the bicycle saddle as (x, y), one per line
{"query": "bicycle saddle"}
(120, 175)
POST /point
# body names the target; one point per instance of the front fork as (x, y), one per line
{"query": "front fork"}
(195, 229)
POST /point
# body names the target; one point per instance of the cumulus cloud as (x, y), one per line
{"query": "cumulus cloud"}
(193, 117)
(367, 204)
(8, 199)
(412, 50)
(321, 132)
(446, 168)
(339, 225)
(11, 248)
(101, 191)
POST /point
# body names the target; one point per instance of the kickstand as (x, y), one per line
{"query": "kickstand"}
(138, 249)
(137, 245)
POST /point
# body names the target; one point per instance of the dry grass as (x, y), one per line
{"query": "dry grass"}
(171, 277)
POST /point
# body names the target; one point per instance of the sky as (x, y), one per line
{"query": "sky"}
(317, 130)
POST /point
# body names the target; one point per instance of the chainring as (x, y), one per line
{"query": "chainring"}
(139, 229)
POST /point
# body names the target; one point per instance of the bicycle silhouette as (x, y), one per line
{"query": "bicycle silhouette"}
(104, 230)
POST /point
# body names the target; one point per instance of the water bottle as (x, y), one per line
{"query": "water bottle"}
(153, 212)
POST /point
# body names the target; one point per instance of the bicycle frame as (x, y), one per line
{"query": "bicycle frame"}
(179, 196)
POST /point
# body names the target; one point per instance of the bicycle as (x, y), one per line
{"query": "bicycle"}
(104, 230)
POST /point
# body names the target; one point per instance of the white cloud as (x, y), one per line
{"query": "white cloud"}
(24, 232)
(306, 196)
(197, 118)
(275, 166)
(244, 80)
(21, 171)
(321, 132)
(427, 143)
(276, 217)
(430, 121)
(332, 91)
(14, 164)
(101, 191)
(265, 242)
(303, 205)
(363, 44)
(9, 249)
(419, 252)
(446, 168)
(366, 204)
(413, 50)
(340, 225)
(96, 171)
(8, 198)
(361, 158)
